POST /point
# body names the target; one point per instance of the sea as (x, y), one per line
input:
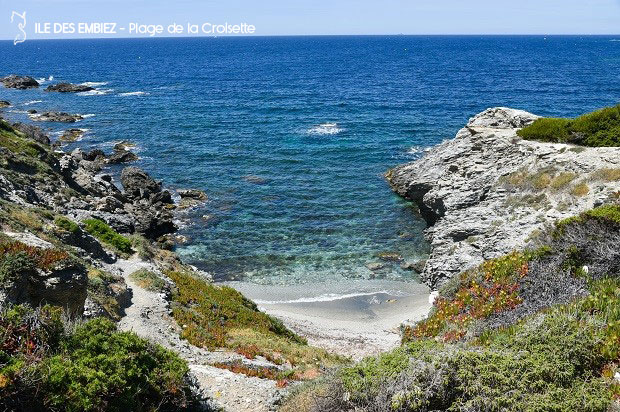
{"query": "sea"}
(290, 137)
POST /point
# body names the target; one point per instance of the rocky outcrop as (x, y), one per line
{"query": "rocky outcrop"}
(488, 192)
(69, 88)
(33, 132)
(62, 283)
(19, 82)
(61, 117)
(4, 103)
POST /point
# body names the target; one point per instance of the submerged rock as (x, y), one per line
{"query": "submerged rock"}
(72, 135)
(4, 103)
(19, 82)
(487, 191)
(69, 88)
(56, 117)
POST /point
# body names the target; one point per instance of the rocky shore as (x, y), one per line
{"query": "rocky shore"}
(487, 191)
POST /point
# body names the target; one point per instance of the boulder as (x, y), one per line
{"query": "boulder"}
(121, 156)
(69, 88)
(124, 145)
(93, 155)
(19, 82)
(138, 184)
(32, 132)
(4, 103)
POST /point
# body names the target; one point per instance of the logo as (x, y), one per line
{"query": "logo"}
(21, 37)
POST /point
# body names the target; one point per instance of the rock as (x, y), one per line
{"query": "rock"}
(257, 180)
(138, 184)
(481, 193)
(121, 156)
(163, 197)
(124, 145)
(33, 132)
(69, 88)
(32, 111)
(56, 117)
(390, 256)
(192, 194)
(19, 82)
(93, 155)
(72, 135)
(4, 103)
(63, 285)
(191, 198)
(375, 266)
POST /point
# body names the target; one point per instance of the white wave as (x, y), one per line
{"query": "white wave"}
(325, 129)
(93, 84)
(328, 297)
(41, 80)
(87, 116)
(18, 111)
(96, 92)
(33, 102)
(614, 40)
(418, 149)
(134, 94)
(49, 79)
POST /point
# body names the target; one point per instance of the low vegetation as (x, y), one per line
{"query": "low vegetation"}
(46, 364)
(148, 280)
(17, 257)
(537, 330)
(107, 235)
(596, 129)
(220, 317)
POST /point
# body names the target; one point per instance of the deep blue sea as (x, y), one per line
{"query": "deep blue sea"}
(290, 136)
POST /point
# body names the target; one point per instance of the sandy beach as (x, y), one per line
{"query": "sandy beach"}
(355, 319)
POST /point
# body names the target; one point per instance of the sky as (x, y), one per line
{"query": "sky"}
(319, 17)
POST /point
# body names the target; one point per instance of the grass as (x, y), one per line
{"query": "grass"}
(107, 235)
(580, 189)
(596, 129)
(607, 175)
(148, 280)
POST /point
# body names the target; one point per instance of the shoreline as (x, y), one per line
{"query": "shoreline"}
(349, 323)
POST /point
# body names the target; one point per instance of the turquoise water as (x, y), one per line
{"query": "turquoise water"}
(290, 136)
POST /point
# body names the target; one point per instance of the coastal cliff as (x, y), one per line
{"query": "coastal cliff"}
(488, 192)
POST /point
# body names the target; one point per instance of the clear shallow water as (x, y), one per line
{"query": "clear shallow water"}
(290, 136)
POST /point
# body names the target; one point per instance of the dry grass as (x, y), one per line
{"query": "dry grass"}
(581, 189)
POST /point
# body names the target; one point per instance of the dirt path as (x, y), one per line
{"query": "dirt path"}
(149, 317)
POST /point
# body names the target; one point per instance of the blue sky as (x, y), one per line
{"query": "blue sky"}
(300, 17)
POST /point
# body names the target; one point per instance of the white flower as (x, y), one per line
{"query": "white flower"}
(617, 376)
(585, 269)
(433, 296)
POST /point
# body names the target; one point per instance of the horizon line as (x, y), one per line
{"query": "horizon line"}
(324, 35)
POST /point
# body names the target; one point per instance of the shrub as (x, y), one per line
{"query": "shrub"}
(66, 224)
(210, 311)
(122, 372)
(16, 256)
(148, 280)
(107, 235)
(599, 128)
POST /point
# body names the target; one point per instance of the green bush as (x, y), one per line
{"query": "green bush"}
(66, 224)
(47, 365)
(107, 235)
(596, 129)
(102, 369)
